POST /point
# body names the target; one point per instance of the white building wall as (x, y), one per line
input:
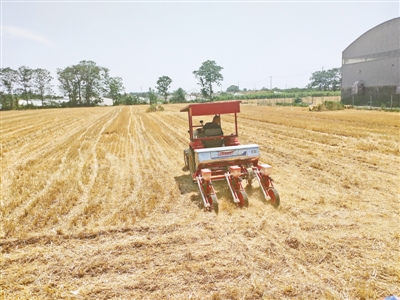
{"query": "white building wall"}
(374, 57)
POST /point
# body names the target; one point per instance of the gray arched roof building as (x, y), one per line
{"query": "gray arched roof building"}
(371, 67)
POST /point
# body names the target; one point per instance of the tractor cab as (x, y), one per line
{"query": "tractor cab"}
(216, 154)
(204, 136)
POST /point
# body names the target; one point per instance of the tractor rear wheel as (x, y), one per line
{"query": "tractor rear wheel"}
(275, 199)
(185, 158)
(243, 199)
(192, 167)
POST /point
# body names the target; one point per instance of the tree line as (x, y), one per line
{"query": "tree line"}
(22, 84)
(320, 81)
(86, 83)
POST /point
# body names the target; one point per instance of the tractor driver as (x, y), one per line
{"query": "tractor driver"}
(216, 123)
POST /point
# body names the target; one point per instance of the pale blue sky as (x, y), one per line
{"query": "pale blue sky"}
(141, 40)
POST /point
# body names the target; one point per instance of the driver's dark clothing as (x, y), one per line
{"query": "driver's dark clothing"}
(211, 125)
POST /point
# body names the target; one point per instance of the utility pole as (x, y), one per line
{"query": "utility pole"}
(391, 101)
(270, 82)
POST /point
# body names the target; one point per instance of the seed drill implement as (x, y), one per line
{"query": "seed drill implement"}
(213, 155)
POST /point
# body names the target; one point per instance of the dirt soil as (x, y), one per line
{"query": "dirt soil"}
(96, 204)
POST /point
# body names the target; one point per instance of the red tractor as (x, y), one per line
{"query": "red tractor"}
(213, 155)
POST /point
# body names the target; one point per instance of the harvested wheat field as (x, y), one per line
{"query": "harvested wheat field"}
(96, 204)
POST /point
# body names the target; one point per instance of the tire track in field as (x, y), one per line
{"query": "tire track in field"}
(26, 208)
(34, 129)
(49, 142)
(131, 182)
(18, 121)
(35, 174)
(167, 153)
(134, 131)
(26, 125)
(41, 149)
(92, 135)
(58, 160)
(83, 189)
(147, 178)
(114, 183)
(138, 137)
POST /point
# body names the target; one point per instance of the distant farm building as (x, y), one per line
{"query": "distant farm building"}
(106, 102)
(371, 67)
(59, 102)
(46, 102)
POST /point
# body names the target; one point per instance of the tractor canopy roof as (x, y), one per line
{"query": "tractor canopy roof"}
(212, 108)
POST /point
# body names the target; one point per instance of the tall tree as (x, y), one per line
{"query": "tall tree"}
(152, 97)
(163, 84)
(70, 84)
(41, 81)
(9, 80)
(208, 74)
(25, 81)
(84, 83)
(326, 80)
(115, 88)
(94, 79)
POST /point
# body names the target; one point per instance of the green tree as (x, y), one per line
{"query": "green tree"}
(84, 83)
(208, 74)
(9, 80)
(152, 97)
(128, 99)
(326, 80)
(115, 88)
(70, 84)
(41, 83)
(163, 84)
(93, 81)
(233, 89)
(25, 81)
(178, 96)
